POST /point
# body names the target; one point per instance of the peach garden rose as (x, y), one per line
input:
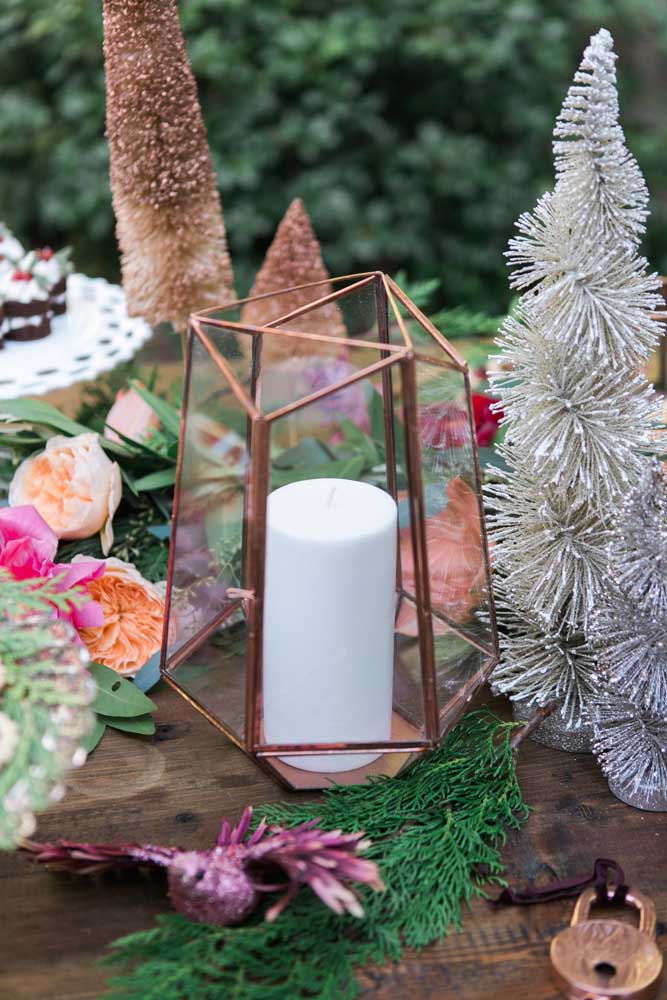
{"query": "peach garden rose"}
(133, 613)
(73, 485)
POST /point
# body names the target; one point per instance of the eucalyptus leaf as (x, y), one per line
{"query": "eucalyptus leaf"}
(160, 480)
(362, 441)
(491, 457)
(142, 725)
(90, 741)
(435, 500)
(149, 675)
(36, 411)
(349, 468)
(160, 531)
(307, 453)
(375, 414)
(118, 696)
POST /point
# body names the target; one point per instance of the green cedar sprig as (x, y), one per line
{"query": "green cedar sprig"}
(45, 692)
(437, 832)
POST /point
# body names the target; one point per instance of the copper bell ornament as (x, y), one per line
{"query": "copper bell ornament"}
(608, 959)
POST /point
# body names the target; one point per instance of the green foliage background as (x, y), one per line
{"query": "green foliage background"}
(415, 130)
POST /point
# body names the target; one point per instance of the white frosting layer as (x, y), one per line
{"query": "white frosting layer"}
(20, 290)
(49, 270)
(11, 251)
(19, 322)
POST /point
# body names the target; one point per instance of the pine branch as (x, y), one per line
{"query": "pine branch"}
(437, 831)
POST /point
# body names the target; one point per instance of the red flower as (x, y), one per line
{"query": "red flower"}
(487, 421)
(445, 425)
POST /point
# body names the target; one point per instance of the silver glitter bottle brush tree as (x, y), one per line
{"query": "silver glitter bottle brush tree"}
(577, 410)
(628, 634)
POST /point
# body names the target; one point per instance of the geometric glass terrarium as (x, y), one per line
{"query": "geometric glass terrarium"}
(329, 603)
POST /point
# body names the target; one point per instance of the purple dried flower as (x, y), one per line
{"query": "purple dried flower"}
(223, 885)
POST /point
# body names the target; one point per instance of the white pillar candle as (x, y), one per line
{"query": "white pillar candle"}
(329, 618)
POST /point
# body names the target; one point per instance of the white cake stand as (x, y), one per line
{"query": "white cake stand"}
(94, 335)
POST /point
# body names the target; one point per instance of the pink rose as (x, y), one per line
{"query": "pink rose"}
(27, 549)
(73, 485)
(131, 416)
(80, 573)
(27, 544)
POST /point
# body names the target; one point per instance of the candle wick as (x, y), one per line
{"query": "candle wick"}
(331, 496)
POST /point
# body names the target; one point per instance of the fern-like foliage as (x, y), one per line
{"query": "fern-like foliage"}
(45, 694)
(437, 831)
(455, 322)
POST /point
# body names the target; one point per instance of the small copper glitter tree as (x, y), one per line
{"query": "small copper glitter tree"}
(388, 405)
(294, 260)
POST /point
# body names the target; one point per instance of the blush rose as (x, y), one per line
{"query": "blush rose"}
(130, 416)
(73, 485)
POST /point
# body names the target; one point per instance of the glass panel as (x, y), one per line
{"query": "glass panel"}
(267, 309)
(352, 315)
(334, 597)
(333, 660)
(458, 671)
(208, 547)
(236, 349)
(290, 369)
(457, 564)
(420, 332)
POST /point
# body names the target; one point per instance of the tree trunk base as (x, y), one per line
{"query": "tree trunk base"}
(638, 798)
(553, 732)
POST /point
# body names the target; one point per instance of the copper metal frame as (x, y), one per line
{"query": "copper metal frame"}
(389, 299)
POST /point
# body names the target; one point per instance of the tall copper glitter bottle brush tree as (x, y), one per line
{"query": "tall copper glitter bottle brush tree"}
(169, 219)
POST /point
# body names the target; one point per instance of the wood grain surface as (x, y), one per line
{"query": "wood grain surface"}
(174, 789)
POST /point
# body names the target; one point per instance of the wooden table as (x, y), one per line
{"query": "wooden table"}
(174, 789)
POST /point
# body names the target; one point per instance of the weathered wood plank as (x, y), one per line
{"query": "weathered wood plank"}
(175, 788)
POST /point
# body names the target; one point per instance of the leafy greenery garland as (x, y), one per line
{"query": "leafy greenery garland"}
(148, 468)
(141, 525)
(437, 831)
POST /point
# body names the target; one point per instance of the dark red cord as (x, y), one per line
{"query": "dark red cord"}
(606, 874)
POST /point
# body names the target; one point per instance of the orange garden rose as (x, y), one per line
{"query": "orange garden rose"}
(73, 486)
(133, 614)
(456, 560)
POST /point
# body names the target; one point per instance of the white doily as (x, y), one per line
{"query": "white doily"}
(94, 335)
